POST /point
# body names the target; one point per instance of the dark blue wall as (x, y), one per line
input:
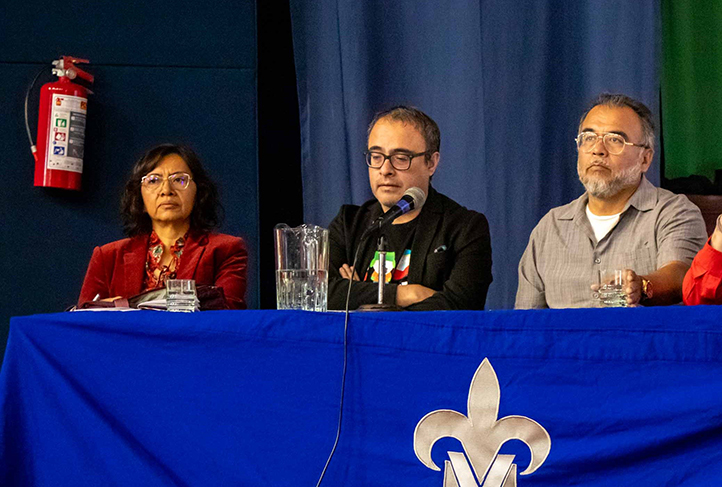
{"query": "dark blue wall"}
(165, 72)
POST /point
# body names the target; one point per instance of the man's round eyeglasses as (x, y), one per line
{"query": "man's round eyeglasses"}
(401, 161)
(178, 181)
(615, 143)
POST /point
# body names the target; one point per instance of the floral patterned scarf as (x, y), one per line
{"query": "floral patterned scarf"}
(156, 274)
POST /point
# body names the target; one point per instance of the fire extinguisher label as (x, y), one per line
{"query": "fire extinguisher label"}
(66, 137)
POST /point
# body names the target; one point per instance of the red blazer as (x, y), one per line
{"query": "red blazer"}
(703, 281)
(118, 268)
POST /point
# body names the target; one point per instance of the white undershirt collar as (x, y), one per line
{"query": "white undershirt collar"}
(602, 225)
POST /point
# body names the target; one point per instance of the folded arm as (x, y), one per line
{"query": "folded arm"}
(231, 274)
(96, 282)
(470, 276)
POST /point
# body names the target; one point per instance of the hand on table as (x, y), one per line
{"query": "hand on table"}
(632, 287)
(110, 300)
(412, 294)
(347, 271)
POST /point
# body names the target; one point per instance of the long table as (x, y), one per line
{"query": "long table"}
(626, 397)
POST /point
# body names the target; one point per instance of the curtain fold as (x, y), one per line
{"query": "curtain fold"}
(506, 83)
(692, 88)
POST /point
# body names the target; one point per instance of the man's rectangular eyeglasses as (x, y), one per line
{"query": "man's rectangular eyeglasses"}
(178, 181)
(615, 143)
(401, 161)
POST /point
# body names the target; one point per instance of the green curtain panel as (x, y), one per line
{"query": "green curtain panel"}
(692, 87)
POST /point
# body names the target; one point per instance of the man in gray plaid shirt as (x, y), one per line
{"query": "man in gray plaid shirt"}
(622, 221)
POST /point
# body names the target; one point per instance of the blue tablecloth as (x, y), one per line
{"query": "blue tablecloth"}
(628, 396)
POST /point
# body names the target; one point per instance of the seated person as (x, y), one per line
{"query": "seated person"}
(622, 221)
(439, 256)
(169, 208)
(703, 282)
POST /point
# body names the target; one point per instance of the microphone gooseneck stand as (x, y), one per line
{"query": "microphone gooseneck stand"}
(380, 305)
(418, 198)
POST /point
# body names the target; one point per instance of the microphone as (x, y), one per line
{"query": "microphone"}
(414, 198)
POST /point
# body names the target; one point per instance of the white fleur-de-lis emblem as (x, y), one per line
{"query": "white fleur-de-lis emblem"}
(481, 435)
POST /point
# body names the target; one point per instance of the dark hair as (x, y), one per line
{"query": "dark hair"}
(411, 115)
(619, 100)
(207, 211)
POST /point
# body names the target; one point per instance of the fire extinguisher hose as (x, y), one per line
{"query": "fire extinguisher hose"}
(27, 96)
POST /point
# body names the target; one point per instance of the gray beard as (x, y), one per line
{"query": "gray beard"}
(603, 189)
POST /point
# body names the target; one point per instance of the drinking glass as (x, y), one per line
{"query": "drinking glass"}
(611, 288)
(181, 295)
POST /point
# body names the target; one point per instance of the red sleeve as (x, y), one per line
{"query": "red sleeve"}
(96, 281)
(703, 282)
(231, 274)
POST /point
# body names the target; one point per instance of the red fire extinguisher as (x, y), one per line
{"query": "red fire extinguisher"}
(61, 127)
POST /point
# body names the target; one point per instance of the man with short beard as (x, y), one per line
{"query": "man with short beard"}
(438, 256)
(622, 221)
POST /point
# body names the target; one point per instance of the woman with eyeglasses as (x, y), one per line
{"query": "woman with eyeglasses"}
(169, 209)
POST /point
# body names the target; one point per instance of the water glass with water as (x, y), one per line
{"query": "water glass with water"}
(611, 288)
(181, 295)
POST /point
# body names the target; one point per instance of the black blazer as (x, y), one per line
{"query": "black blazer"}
(451, 253)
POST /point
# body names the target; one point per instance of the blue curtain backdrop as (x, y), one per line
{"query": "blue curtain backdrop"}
(505, 81)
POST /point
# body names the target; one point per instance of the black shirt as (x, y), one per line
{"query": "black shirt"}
(397, 240)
